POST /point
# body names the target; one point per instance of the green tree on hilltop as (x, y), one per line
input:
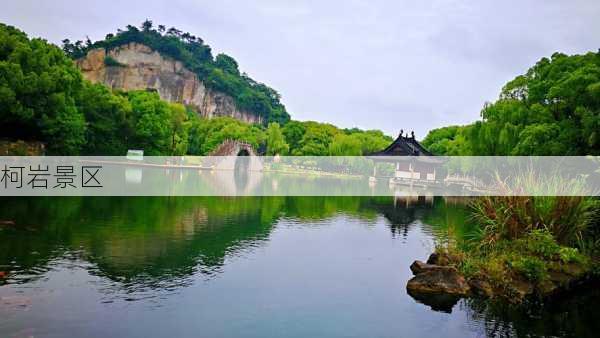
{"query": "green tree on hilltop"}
(552, 109)
(220, 73)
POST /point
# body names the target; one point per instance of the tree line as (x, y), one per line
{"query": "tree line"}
(552, 109)
(44, 97)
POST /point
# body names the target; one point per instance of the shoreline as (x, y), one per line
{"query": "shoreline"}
(440, 284)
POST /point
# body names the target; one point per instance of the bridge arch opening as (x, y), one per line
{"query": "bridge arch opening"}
(243, 152)
(242, 166)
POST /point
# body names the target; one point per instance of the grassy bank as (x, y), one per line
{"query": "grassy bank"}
(527, 246)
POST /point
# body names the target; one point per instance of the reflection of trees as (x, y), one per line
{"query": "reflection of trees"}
(139, 240)
(436, 214)
(150, 241)
(450, 216)
(161, 243)
(196, 240)
(402, 213)
(572, 315)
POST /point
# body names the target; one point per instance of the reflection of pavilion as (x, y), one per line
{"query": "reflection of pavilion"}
(413, 163)
(403, 212)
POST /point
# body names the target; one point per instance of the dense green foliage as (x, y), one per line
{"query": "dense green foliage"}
(39, 88)
(107, 120)
(206, 135)
(43, 97)
(530, 257)
(276, 141)
(567, 218)
(316, 139)
(133, 120)
(295, 138)
(527, 239)
(553, 109)
(220, 73)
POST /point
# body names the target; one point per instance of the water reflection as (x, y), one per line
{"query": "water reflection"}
(133, 240)
(148, 241)
(151, 248)
(571, 315)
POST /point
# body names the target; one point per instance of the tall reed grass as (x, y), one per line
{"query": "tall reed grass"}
(567, 217)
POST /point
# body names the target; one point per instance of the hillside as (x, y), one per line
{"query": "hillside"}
(181, 68)
(46, 101)
(137, 67)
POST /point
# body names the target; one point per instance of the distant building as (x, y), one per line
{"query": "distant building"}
(135, 155)
(412, 160)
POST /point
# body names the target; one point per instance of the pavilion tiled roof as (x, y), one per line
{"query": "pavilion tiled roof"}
(404, 146)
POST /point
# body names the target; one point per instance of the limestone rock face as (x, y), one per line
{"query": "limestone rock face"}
(142, 68)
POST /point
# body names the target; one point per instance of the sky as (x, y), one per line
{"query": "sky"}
(388, 65)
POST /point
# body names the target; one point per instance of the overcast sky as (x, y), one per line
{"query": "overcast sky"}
(372, 64)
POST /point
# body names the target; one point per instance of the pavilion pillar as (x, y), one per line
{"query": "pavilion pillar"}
(373, 178)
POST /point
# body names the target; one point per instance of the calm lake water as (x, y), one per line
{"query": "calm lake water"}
(244, 267)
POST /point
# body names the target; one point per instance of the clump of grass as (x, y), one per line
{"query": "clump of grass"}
(511, 217)
(530, 257)
(527, 237)
(557, 204)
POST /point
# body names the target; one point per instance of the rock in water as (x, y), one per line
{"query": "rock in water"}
(439, 280)
(481, 286)
(442, 258)
(418, 267)
(437, 302)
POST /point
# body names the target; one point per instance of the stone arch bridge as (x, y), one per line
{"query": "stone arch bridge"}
(233, 155)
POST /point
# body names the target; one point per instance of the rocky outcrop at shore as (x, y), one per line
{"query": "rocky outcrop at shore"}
(440, 285)
(437, 279)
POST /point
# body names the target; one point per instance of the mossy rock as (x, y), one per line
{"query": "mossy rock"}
(418, 267)
(481, 286)
(518, 290)
(443, 259)
(439, 280)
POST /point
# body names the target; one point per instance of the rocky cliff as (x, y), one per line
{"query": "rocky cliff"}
(139, 67)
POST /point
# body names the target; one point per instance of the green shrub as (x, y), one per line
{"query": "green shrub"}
(568, 255)
(531, 267)
(468, 267)
(541, 242)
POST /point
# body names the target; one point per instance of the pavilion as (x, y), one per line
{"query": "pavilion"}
(413, 162)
